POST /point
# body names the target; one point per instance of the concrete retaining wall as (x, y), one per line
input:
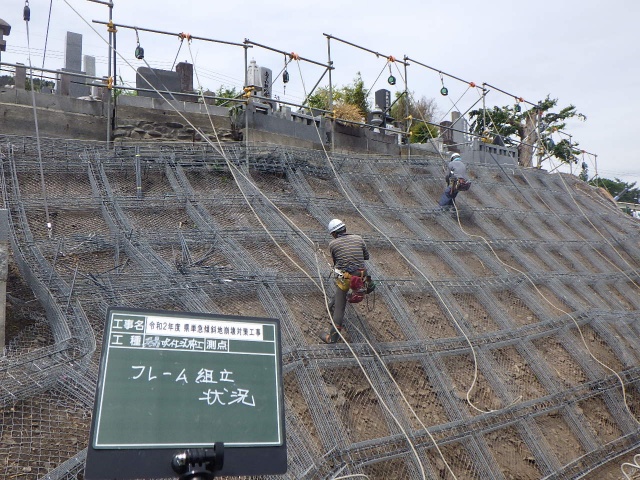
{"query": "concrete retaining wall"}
(58, 117)
(144, 118)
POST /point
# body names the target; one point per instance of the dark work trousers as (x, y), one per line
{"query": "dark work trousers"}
(447, 198)
(337, 306)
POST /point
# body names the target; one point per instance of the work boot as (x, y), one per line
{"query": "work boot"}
(333, 336)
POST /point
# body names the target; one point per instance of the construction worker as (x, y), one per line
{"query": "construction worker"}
(348, 252)
(455, 179)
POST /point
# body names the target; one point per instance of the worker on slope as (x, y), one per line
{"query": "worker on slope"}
(348, 252)
(456, 181)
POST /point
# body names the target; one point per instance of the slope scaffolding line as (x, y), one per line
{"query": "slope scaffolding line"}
(27, 18)
(442, 301)
(607, 367)
(635, 465)
(417, 269)
(605, 258)
(575, 322)
(593, 248)
(233, 168)
(586, 217)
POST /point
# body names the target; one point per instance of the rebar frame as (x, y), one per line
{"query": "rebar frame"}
(164, 225)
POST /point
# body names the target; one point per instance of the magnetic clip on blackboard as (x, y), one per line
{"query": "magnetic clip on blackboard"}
(199, 463)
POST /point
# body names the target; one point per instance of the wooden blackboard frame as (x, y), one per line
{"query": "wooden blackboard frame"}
(257, 440)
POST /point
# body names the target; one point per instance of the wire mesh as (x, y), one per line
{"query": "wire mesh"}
(168, 226)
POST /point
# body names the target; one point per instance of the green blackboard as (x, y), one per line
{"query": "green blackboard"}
(175, 380)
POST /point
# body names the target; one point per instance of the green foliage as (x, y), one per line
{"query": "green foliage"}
(225, 92)
(614, 187)
(6, 80)
(504, 121)
(353, 94)
(38, 84)
(123, 91)
(518, 127)
(584, 173)
(356, 94)
(320, 99)
(422, 109)
(564, 150)
(423, 132)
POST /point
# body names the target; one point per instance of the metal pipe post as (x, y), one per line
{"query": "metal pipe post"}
(333, 119)
(406, 109)
(246, 108)
(108, 77)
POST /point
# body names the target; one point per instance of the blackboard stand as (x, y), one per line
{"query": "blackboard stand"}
(199, 463)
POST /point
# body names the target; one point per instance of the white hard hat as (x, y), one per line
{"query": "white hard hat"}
(335, 225)
(455, 156)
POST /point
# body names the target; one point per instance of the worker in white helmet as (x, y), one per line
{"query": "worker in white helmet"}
(348, 252)
(456, 181)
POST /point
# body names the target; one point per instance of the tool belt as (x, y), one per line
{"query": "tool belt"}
(344, 279)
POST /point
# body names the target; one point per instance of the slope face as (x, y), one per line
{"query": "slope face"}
(501, 331)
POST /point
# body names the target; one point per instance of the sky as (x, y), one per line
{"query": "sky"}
(581, 52)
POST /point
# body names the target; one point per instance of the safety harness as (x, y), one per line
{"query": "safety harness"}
(357, 283)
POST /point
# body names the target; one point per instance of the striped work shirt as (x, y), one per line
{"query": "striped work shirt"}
(348, 251)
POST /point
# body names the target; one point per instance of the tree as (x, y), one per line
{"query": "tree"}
(420, 111)
(356, 94)
(223, 92)
(6, 80)
(38, 84)
(617, 186)
(344, 98)
(531, 127)
(423, 132)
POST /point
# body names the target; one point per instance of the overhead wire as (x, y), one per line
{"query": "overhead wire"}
(346, 195)
(545, 298)
(49, 226)
(46, 39)
(466, 337)
(568, 314)
(233, 168)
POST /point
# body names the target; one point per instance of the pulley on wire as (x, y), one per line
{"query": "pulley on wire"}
(285, 76)
(443, 91)
(517, 106)
(391, 79)
(26, 13)
(139, 51)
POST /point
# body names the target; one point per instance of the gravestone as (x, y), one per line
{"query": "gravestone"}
(21, 76)
(73, 64)
(161, 80)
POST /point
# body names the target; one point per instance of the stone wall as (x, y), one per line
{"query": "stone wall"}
(156, 119)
